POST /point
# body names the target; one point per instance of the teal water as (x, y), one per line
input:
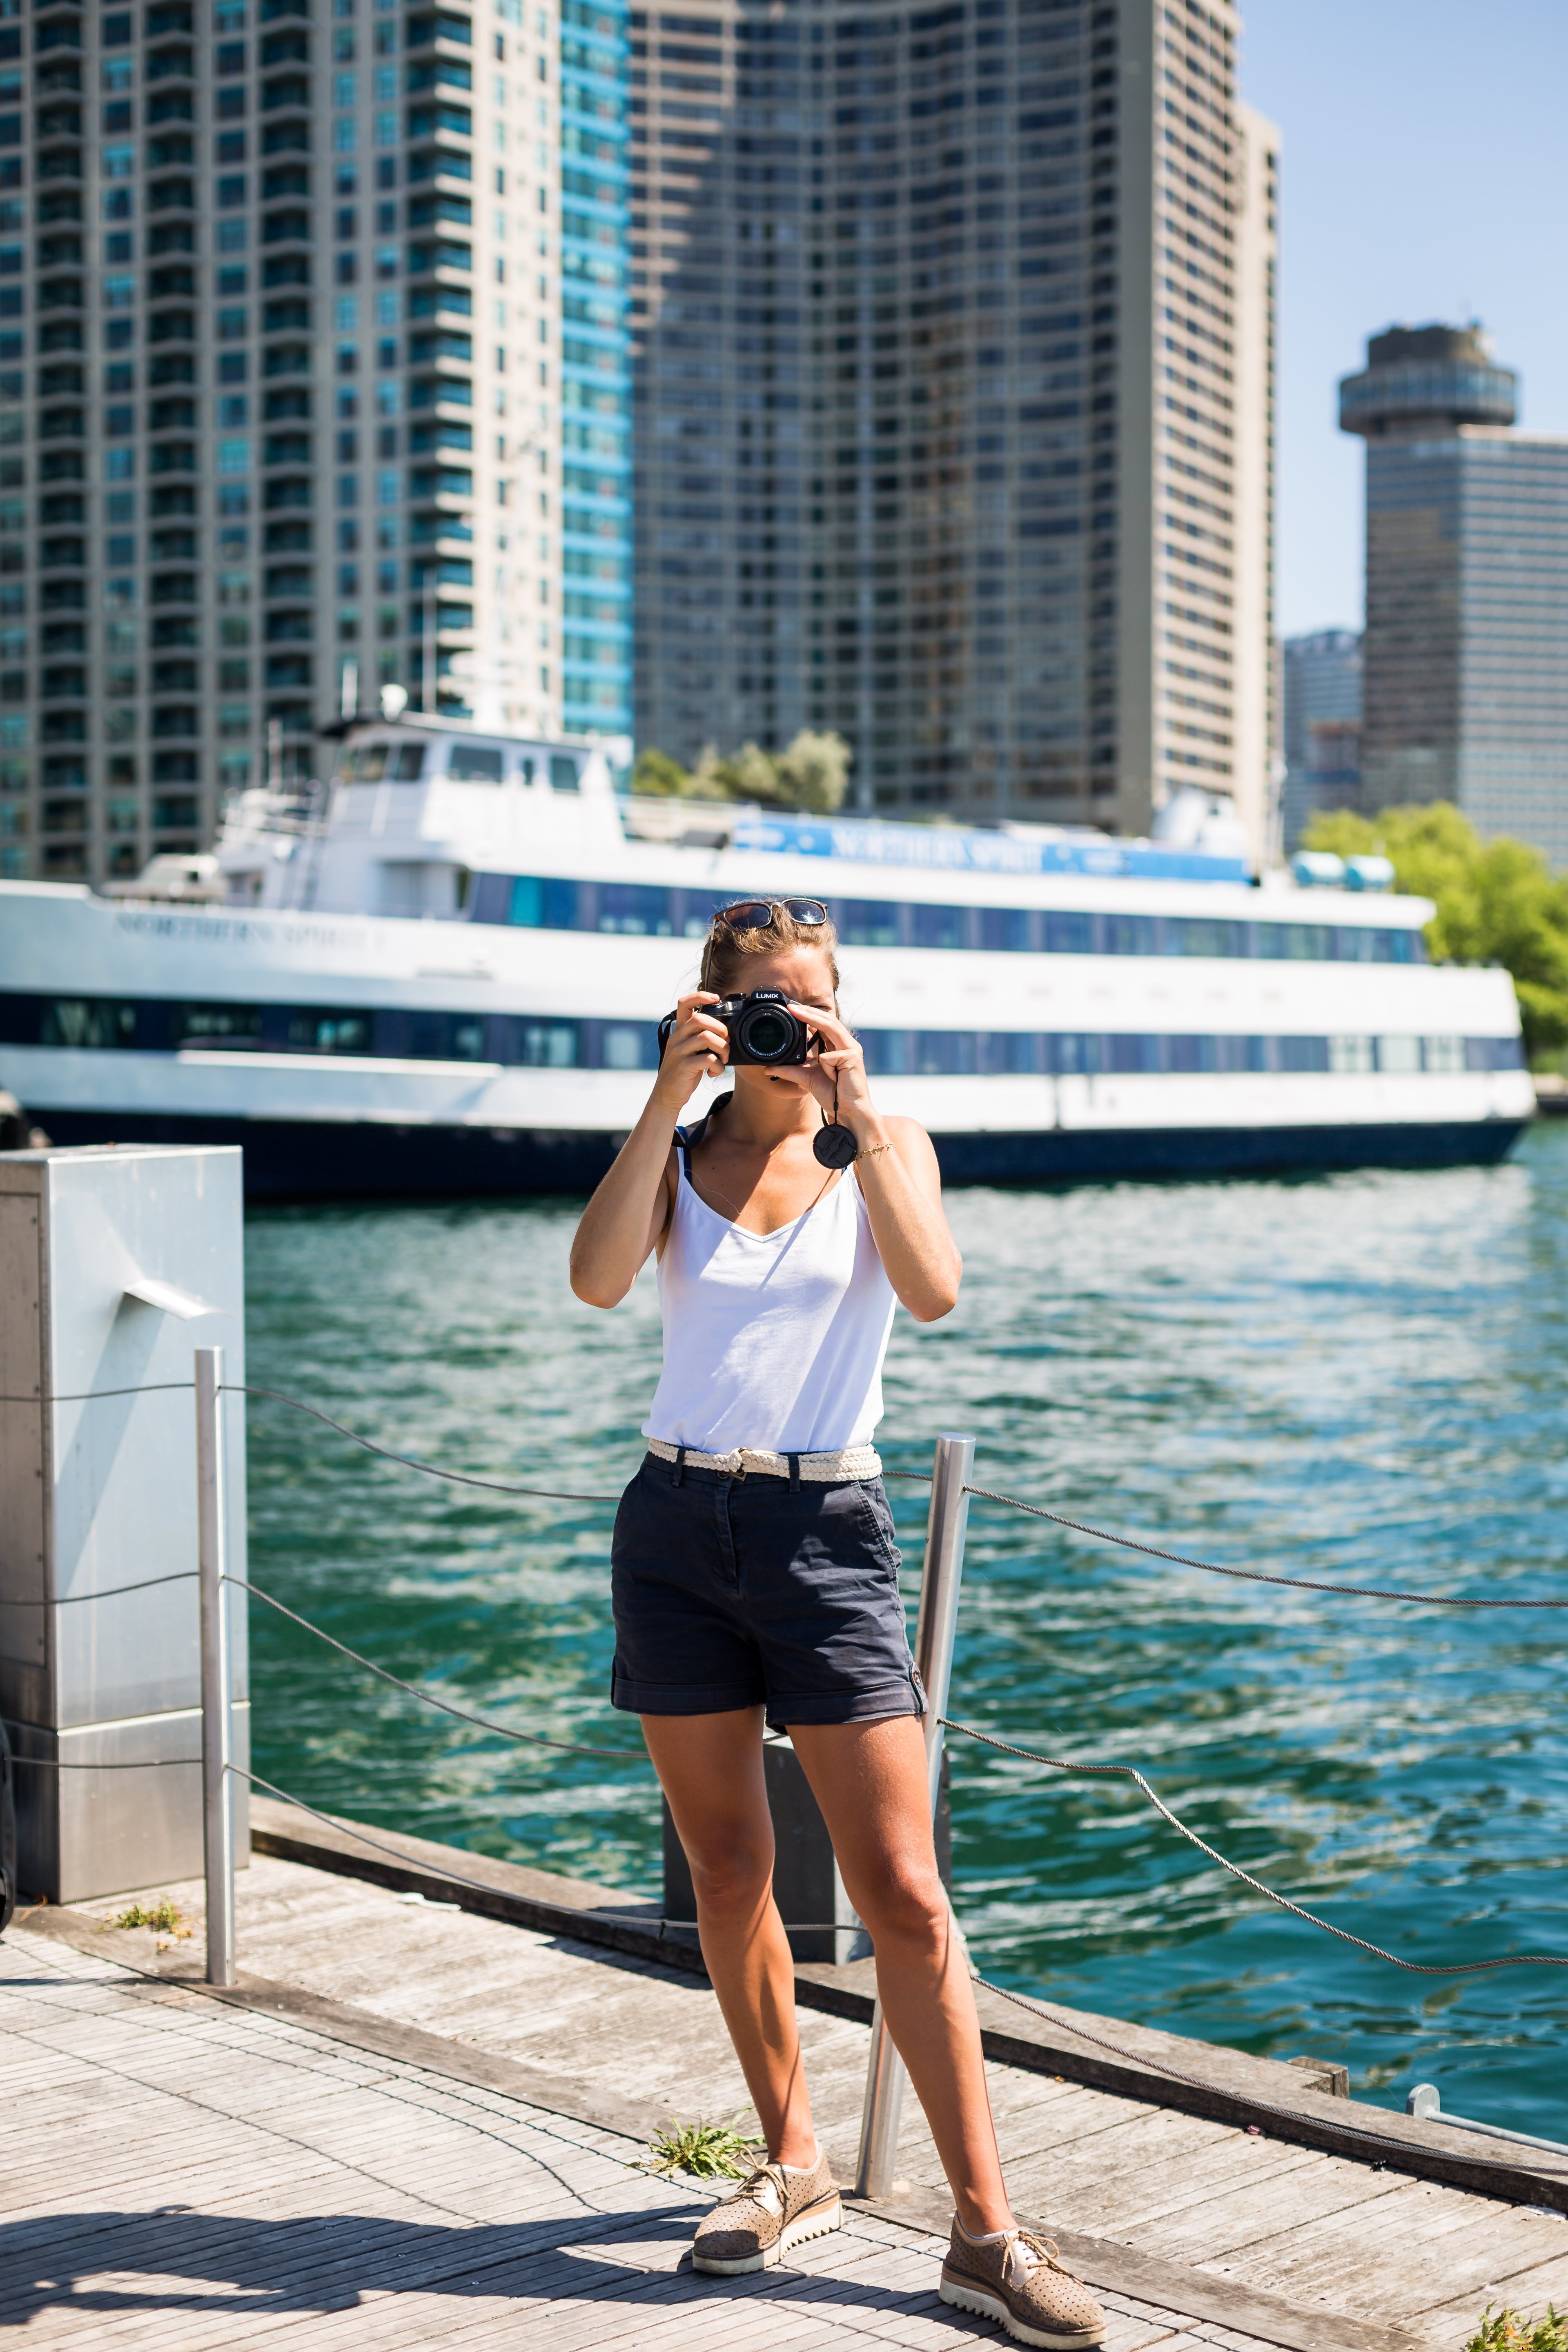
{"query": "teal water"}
(1361, 1377)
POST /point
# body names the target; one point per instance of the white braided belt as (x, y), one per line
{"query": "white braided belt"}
(753, 1461)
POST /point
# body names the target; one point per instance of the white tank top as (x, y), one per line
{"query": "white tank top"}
(771, 1340)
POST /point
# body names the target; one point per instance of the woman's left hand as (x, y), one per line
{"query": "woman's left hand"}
(836, 1071)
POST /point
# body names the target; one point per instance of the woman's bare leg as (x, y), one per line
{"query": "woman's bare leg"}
(870, 1780)
(711, 1768)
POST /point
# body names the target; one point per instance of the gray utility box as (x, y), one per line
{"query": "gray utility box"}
(806, 1885)
(115, 1264)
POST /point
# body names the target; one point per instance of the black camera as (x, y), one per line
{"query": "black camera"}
(762, 1030)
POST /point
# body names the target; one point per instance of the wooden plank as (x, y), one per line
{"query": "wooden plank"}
(1200, 2294)
(1228, 2086)
(1392, 2250)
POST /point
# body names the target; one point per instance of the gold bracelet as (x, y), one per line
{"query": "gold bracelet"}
(869, 1151)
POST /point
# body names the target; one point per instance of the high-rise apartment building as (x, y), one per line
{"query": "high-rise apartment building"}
(1322, 727)
(954, 395)
(1466, 688)
(313, 379)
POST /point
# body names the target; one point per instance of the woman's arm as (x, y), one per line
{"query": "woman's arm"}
(627, 1215)
(898, 1174)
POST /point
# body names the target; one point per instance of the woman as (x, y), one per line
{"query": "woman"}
(755, 1576)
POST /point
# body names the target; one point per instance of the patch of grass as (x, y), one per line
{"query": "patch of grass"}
(1507, 2331)
(166, 1915)
(719, 2152)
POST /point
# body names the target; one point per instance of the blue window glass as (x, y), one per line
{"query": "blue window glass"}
(443, 1036)
(1299, 1053)
(1069, 934)
(636, 907)
(1077, 1055)
(548, 905)
(866, 922)
(1130, 1055)
(1191, 1053)
(888, 1052)
(946, 1052)
(629, 1045)
(1197, 935)
(1132, 935)
(547, 1044)
(1002, 1052)
(1299, 942)
(942, 926)
(1007, 930)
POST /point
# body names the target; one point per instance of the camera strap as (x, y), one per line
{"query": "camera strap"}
(833, 1145)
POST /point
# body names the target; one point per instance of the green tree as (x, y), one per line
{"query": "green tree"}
(658, 776)
(813, 772)
(1498, 901)
(810, 773)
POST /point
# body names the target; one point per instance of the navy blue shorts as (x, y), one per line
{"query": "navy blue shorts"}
(732, 1592)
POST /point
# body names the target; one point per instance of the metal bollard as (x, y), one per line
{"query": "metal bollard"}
(944, 1574)
(217, 1723)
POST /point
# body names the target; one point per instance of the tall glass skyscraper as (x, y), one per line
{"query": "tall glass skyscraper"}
(954, 390)
(313, 379)
(1466, 685)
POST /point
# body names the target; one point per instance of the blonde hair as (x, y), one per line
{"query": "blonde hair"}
(727, 948)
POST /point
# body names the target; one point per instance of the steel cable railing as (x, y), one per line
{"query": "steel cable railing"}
(1130, 1772)
(537, 1739)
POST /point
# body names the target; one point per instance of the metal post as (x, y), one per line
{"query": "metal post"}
(944, 1574)
(217, 1723)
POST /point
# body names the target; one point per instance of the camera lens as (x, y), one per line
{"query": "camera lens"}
(768, 1033)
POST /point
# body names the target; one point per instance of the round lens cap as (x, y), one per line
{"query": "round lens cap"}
(835, 1146)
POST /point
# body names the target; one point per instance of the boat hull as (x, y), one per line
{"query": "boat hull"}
(300, 1160)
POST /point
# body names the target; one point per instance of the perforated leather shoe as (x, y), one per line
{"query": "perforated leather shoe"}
(1021, 2279)
(764, 2217)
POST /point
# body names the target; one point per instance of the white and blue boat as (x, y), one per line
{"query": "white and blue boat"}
(442, 971)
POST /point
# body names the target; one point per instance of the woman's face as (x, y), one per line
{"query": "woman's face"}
(803, 974)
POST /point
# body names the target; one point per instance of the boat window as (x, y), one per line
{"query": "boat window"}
(547, 1044)
(636, 906)
(1195, 935)
(1303, 1053)
(365, 766)
(474, 763)
(866, 922)
(582, 905)
(527, 1041)
(942, 926)
(92, 1022)
(329, 1033)
(408, 762)
(563, 777)
(1445, 1054)
(545, 904)
(1131, 935)
(216, 1025)
(526, 770)
(1006, 930)
(623, 1045)
(1069, 934)
(1303, 942)
(443, 1036)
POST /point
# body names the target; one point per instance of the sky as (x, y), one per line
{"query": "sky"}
(1424, 176)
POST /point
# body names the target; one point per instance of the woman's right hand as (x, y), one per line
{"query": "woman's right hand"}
(626, 1217)
(697, 1048)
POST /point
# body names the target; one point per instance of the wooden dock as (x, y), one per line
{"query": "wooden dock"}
(422, 2121)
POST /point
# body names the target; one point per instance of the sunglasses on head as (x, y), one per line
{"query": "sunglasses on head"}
(761, 914)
